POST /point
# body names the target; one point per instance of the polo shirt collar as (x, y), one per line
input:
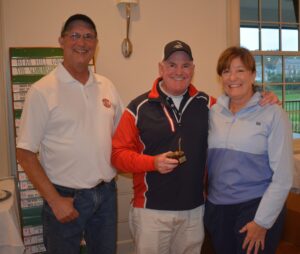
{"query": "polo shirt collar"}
(66, 77)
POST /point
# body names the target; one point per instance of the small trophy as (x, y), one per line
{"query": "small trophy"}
(178, 155)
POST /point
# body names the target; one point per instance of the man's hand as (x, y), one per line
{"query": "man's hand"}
(269, 97)
(255, 237)
(63, 209)
(163, 164)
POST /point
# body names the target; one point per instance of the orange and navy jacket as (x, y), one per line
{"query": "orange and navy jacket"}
(152, 125)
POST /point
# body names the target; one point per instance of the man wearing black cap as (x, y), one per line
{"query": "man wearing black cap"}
(69, 117)
(162, 140)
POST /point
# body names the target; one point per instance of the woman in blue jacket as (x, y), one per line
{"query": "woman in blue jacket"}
(249, 162)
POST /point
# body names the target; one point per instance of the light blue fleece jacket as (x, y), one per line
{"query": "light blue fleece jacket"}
(250, 155)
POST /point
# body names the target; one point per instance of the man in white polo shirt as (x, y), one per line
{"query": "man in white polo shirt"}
(69, 118)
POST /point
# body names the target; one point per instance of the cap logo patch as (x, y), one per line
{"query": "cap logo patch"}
(178, 45)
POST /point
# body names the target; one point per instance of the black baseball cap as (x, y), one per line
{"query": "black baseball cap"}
(177, 45)
(78, 17)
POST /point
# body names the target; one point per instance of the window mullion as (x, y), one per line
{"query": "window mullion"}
(283, 81)
(280, 24)
(259, 24)
(298, 22)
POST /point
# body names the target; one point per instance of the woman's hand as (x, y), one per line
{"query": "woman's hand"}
(255, 237)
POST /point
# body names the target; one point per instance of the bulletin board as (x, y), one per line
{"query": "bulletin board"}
(27, 66)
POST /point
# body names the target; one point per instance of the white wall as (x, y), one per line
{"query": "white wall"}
(200, 23)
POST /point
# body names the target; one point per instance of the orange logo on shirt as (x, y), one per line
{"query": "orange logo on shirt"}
(106, 103)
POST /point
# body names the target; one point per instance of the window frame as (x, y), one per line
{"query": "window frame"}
(233, 31)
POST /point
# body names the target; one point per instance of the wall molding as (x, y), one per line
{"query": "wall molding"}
(233, 23)
(4, 134)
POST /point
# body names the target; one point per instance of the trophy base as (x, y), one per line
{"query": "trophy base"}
(178, 155)
(182, 159)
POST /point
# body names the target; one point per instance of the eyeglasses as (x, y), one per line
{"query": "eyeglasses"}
(86, 37)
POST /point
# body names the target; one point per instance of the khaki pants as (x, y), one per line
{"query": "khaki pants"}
(167, 232)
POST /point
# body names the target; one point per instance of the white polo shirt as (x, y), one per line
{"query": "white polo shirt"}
(71, 125)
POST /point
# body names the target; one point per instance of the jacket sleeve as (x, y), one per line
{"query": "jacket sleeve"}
(281, 162)
(127, 149)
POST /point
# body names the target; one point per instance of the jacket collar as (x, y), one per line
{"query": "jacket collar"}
(223, 101)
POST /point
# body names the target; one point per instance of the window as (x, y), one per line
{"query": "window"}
(270, 29)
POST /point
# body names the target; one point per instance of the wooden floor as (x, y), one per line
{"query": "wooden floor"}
(283, 248)
(290, 243)
(287, 248)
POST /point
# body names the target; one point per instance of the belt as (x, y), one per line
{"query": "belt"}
(102, 183)
(72, 190)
